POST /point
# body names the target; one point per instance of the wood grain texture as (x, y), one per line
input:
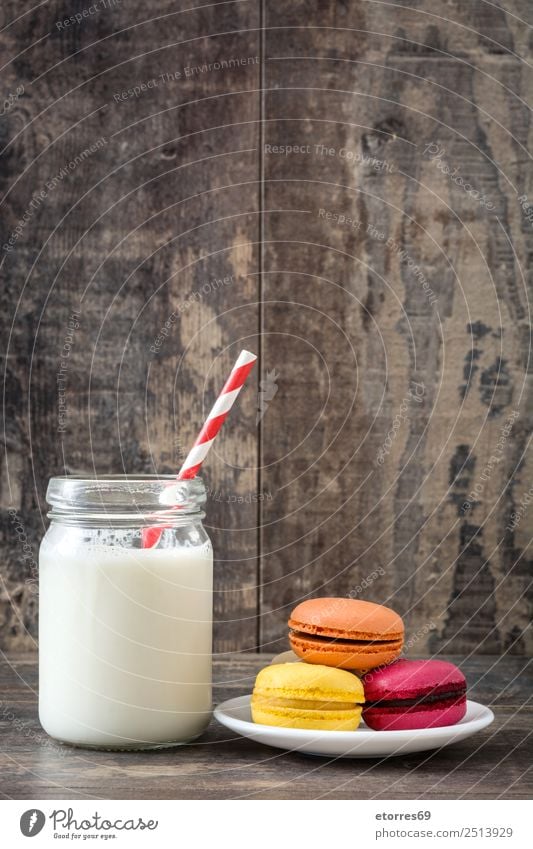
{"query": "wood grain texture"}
(152, 240)
(492, 764)
(401, 331)
(395, 342)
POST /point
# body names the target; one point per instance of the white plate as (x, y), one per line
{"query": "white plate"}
(363, 743)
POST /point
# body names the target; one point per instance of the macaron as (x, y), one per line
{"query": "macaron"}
(286, 657)
(297, 695)
(345, 632)
(412, 694)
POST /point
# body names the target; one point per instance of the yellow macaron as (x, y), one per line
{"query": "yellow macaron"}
(301, 695)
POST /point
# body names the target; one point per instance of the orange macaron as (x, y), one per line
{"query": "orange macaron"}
(346, 633)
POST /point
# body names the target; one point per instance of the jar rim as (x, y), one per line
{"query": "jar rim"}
(145, 499)
(126, 478)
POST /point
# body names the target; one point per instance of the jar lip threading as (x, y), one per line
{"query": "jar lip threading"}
(125, 499)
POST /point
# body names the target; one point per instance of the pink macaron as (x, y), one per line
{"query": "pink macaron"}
(412, 694)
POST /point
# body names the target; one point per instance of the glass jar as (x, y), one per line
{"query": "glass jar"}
(125, 627)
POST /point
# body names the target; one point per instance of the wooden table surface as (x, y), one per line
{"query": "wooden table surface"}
(496, 763)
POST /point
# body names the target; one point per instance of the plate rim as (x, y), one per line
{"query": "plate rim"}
(443, 731)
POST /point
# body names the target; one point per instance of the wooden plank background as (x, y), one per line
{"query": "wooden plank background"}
(285, 177)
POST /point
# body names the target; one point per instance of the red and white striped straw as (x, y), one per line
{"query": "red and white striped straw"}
(218, 413)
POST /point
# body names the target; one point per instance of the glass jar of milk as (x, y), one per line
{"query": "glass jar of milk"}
(125, 630)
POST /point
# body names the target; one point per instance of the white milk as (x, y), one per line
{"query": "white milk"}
(125, 644)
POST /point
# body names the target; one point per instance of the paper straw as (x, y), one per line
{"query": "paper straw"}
(217, 415)
(219, 411)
